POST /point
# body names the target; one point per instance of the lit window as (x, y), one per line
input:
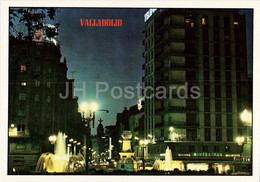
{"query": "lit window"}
(235, 23)
(37, 83)
(203, 21)
(48, 99)
(36, 98)
(22, 96)
(192, 25)
(23, 84)
(48, 84)
(23, 68)
(187, 21)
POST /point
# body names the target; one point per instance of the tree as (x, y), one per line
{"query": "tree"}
(33, 19)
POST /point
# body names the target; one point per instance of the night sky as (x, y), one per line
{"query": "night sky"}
(108, 54)
(103, 54)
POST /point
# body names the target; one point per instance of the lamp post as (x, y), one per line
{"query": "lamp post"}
(143, 144)
(91, 117)
(246, 118)
(240, 142)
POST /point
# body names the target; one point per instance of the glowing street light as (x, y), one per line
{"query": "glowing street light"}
(71, 140)
(171, 128)
(52, 139)
(240, 140)
(12, 125)
(83, 107)
(94, 107)
(246, 116)
(136, 138)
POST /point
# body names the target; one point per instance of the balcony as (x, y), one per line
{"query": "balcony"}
(161, 28)
(164, 68)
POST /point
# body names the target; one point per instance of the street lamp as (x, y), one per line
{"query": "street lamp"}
(143, 144)
(171, 129)
(246, 116)
(240, 142)
(52, 139)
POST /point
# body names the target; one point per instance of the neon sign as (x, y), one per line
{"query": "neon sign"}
(38, 35)
(148, 14)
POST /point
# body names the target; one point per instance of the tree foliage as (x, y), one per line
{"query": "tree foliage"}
(33, 19)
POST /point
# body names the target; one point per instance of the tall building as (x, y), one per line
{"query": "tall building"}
(204, 48)
(37, 77)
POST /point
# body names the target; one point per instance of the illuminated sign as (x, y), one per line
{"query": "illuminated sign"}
(148, 14)
(38, 36)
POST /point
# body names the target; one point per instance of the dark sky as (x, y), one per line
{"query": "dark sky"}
(103, 54)
(108, 54)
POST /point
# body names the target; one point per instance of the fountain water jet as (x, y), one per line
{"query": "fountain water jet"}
(168, 164)
(56, 162)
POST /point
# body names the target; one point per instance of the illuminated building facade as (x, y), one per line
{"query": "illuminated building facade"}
(36, 111)
(204, 48)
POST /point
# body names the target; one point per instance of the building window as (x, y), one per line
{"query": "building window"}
(21, 112)
(217, 61)
(229, 105)
(229, 135)
(218, 134)
(228, 77)
(205, 34)
(206, 63)
(191, 148)
(226, 22)
(216, 49)
(37, 83)
(205, 48)
(207, 119)
(207, 134)
(217, 91)
(22, 96)
(216, 148)
(49, 84)
(217, 77)
(205, 148)
(206, 91)
(218, 120)
(204, 20)
(21, 127)
(36, 98)
(49, 70)
(48, 99)
(206, 76)
(218, 105)
(227, 50)
(228, 91)
(229, 120)
(215, 21)
(227, 35)
(37, 113)
(228, 63)
(207, 105)
(23, 84)
(23, 68)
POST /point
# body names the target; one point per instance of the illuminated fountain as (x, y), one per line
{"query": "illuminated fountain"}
(56, 162)
(168, 164)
